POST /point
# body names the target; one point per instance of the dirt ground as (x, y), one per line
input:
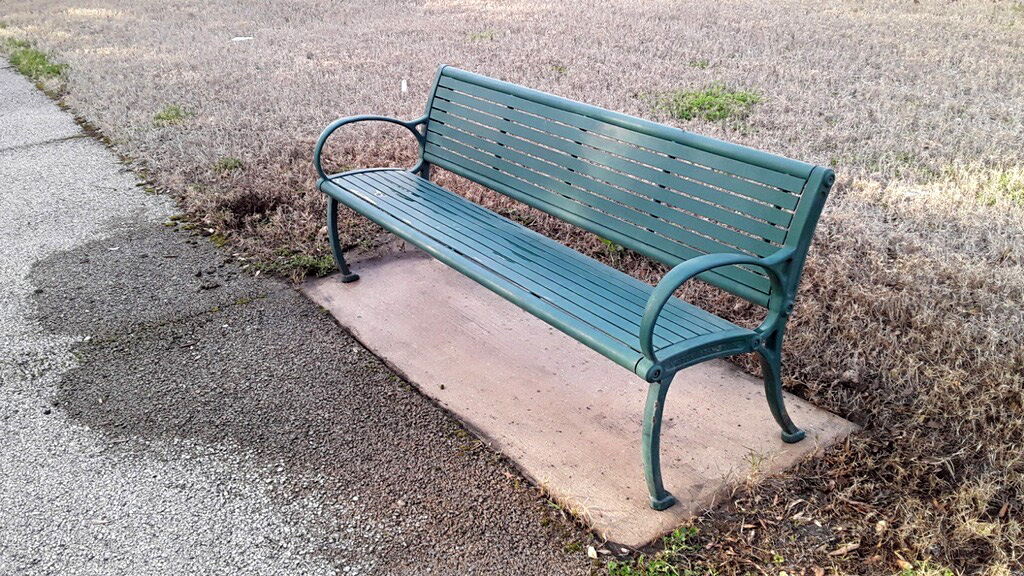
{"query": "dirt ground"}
(909, 316)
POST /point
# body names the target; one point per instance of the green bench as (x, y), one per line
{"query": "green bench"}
(731, 216)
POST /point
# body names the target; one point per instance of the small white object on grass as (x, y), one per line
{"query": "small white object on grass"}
(241, 38)
(591, 552)
(405, 86)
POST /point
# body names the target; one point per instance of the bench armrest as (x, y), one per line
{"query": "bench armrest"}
(411, 126)
(684, 271)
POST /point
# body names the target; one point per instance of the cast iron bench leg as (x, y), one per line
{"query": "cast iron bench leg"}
(771, 364)
(332, 231)
(660, 498)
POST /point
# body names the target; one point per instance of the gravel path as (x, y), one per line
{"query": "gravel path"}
(163, 412)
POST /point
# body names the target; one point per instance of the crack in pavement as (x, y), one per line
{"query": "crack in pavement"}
(43, 142)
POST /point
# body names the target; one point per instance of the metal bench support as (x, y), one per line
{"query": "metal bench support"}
(770, 355)
(660, 498)
(332, 231)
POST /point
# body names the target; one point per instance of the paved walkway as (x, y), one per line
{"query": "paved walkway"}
(163, 412)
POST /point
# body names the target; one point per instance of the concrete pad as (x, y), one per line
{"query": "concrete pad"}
(566, 415)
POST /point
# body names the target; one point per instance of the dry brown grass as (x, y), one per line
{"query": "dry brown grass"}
(910, 315)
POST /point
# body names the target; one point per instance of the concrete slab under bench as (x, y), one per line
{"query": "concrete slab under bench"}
(567, 416)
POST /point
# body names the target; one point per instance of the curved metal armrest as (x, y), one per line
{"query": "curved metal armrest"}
(684, 271)
(411, 126)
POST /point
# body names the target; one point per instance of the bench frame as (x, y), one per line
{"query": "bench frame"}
(783, 268)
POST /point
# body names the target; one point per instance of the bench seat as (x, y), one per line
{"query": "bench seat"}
(596, 304)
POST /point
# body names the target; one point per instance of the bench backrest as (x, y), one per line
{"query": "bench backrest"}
(666, 193)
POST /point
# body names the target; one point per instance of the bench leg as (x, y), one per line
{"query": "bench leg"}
(332, 232)
(660, 498)
(771, 365)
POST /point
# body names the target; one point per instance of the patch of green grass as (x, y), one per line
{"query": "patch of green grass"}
(572, 547)
(3, 25)
(700, 63)
(1007, 185)
(671, 560)
(610, 246)
(228, 164)
(17, 44)
(612, 250)
(714, 103)
(33, 63)
(482, 36)
(925, 569)
(318, 266)
(297, 265)
(990, 186)
(170, 115)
